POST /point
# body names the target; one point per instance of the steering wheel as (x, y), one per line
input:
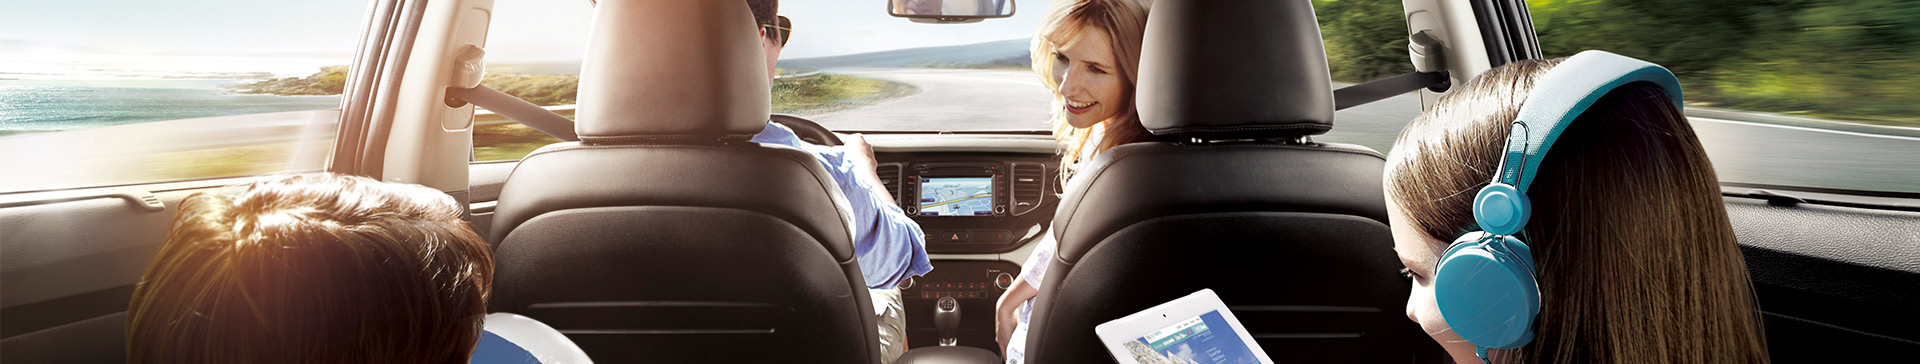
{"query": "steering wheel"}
(807, 130)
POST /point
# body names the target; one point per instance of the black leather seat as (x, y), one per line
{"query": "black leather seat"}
(1234, 197)
(664, 235)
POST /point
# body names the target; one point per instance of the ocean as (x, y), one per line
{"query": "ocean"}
(42, 105)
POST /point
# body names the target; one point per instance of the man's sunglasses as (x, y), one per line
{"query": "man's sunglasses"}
(780, 32)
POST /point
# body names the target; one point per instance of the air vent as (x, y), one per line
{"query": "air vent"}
(1029, 185)
(890, 176)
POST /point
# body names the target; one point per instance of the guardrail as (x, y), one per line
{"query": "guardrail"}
(802, 75)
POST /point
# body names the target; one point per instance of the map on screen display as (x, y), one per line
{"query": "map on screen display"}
(1193, 341)
(956, 196)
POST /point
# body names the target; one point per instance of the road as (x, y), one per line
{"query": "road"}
(1743, 147)
(949, 100)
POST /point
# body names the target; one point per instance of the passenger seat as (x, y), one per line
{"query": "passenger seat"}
(1234, 196)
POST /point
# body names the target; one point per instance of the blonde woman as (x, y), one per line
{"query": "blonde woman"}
(1088, 53)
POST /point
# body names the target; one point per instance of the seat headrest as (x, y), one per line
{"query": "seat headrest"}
(1231, 69)
(663, 69)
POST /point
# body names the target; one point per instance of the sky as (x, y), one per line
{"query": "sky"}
(220, 38)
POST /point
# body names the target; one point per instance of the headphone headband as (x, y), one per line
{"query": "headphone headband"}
(1562, 95)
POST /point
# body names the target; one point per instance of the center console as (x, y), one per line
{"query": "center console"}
(973, 206)
(973, 285)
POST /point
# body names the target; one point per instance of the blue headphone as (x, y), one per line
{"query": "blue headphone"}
(1484, 286)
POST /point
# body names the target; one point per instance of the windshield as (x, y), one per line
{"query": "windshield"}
(891, 74)
(1779, 110)
(135, 91)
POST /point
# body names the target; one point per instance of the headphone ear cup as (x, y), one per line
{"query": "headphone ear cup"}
(1485, 293)
(1522, 254)
(1501, 209)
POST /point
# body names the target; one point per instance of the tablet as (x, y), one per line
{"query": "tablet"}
(1197, 328)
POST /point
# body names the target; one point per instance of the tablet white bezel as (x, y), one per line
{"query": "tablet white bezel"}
(1114, 333)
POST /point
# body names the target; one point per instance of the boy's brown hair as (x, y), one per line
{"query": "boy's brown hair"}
(313, 269)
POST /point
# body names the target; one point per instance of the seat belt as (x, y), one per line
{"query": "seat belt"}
(517, 110)
(1384, 88)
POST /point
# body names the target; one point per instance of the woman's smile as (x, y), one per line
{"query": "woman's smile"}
(1077, 107)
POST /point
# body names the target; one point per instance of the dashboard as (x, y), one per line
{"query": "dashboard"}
(982, 200)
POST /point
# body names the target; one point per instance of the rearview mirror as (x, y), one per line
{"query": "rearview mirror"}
(949, 11)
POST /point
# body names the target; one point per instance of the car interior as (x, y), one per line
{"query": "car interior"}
(658, 232)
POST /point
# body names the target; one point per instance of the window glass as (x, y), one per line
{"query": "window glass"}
(105, 92)
(1813, 94)
(534, 49)
(851, 69)
(1799, 93)
(1366, 40)
(846, 66)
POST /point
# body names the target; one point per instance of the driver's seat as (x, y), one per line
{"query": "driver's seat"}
(664, 235)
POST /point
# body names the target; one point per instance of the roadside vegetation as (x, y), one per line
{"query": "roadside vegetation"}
(832, 92)
(1838, 59)
(329, 81)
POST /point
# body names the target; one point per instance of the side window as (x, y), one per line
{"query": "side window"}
(534, 48)
(1802, 93)
(124, 92)
(1367, 40)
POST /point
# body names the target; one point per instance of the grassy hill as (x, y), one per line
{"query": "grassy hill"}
(329, 81)
(1011, 53)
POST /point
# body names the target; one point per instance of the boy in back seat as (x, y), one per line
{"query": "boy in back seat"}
(313, 269)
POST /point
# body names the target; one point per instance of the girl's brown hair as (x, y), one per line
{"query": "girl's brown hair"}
(313, 269)
(1125, 22)
(1637, 261)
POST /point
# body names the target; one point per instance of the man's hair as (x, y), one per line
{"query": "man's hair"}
(1636, 257)
(764, 10)
(313, 269)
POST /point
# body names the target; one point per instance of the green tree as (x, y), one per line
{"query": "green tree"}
(1365, 39)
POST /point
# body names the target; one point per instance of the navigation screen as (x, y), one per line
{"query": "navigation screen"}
(1205, 339)
(956, 196)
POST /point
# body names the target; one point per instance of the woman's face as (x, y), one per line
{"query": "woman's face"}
(1419, 255)
(1089, 79)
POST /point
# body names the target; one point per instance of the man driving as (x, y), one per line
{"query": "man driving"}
(889, 245)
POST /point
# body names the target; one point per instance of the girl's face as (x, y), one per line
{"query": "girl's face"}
(1089, 79)
(1418, 255)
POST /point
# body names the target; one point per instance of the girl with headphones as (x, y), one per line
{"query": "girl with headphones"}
(1613, 248)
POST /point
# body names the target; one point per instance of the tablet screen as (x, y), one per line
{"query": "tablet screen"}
(1205, 339)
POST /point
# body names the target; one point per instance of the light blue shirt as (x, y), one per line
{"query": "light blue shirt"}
(889, 245)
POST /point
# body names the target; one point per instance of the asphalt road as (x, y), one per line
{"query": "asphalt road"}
(1744, 147)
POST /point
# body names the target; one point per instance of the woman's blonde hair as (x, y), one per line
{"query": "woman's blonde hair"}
(1637, 260)
(313, 269)
(1125, 22)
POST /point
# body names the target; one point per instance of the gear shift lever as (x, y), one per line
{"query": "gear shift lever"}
(946, 316)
